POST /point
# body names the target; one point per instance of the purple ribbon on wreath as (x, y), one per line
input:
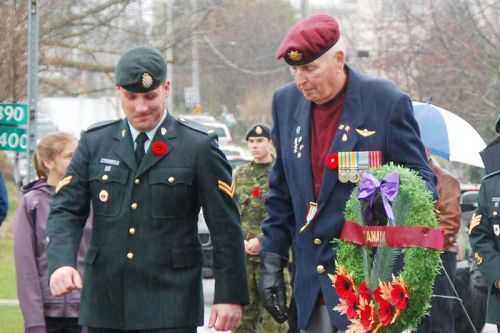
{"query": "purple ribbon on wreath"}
(388, 188)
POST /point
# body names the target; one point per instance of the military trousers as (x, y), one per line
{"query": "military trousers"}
(160, 330)
(320, 322)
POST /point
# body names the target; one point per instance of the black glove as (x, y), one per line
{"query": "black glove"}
(272, 289)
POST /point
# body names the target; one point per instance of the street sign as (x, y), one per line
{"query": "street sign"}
(13, 114)
(191, 96)
(13, 139)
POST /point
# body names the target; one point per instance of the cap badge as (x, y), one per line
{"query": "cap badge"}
(147, 80)
(295, 55)
(258, 130)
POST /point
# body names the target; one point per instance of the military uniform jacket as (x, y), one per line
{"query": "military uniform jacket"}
(485, 240)
(372, 104)
(143, 266)
(252, 186)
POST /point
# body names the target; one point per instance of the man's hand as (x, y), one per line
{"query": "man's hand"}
(272, 288)
(253, 246)
(64, 280)
(225, 317)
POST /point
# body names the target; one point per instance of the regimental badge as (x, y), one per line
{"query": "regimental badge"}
(124, 132)
(365, 132)
(496, 229)
(479, 259)
(475, 221)
(344, 137)
(294, 55)
(103, 196)
(163, 131)
(258, 130)
(146, 80)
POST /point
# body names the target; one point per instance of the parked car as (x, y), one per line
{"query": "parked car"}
(221, 130)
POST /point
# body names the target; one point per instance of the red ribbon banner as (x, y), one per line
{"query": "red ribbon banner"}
(396, 236)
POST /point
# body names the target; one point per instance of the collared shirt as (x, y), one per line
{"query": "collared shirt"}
(151, 133)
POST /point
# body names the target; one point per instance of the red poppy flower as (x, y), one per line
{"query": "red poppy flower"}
(332, 161)
(377, 295)
(385, 313)
(399, 296)
(343, 286)
(367, 317)
(352, 306)
(256, 192)
(159, 148)
(363, 291)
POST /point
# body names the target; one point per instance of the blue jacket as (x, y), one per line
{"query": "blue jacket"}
(373, 104)
(4, 200)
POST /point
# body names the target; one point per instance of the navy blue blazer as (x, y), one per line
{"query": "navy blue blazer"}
(373, 104)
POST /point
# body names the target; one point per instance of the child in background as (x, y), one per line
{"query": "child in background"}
(42, 312)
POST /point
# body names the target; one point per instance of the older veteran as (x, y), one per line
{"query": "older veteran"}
(146, 178)
(328, 111)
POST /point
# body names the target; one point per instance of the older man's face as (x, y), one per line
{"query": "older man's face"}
(321, 79)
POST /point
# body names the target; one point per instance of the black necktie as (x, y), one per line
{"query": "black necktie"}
(139, 148)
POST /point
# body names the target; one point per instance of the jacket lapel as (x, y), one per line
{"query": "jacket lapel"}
(353, 118)
(165, 134)
(302, 133)
(125, 148)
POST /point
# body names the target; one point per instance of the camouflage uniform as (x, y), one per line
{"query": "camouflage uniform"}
(252, 186)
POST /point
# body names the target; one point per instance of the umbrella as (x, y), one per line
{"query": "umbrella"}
(447, 135)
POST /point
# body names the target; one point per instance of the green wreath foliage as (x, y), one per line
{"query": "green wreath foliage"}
(413, 206)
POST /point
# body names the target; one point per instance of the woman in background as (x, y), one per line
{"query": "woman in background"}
(42, 312)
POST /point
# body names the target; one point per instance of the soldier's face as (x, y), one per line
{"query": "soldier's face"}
(144, 110)
(260, 148)
(320, 80)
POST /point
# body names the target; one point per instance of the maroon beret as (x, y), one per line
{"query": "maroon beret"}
(308, 39)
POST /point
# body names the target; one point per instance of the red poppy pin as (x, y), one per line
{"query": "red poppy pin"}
(256, 192)
(159, 148)
(332, 161)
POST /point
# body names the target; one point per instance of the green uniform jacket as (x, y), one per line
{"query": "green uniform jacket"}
(485, 240)
(143, 267)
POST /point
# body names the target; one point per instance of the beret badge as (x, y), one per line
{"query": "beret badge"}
(258, 130)
(294, 55)
(146, 80)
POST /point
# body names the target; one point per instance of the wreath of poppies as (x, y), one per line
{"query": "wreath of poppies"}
(371, 296)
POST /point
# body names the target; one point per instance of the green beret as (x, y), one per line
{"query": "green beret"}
(258, 130)
(497, 125)
(141, 69)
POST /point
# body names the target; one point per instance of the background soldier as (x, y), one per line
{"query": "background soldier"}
(147, 177)
(252, 185)
(485, 232)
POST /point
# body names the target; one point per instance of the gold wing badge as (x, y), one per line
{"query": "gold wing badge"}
(364, 132)
(224, 187)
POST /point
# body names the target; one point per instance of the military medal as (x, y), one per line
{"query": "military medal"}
(353, 167)
(342, 165)
(311, 214)
(104, 196)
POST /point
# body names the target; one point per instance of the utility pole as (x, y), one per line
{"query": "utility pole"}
(195, 63)
(304, 8)
(170, 53)
(33, 24)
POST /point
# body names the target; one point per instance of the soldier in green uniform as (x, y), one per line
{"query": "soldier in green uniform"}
(485, 237)
(146, 178)
(252, 185)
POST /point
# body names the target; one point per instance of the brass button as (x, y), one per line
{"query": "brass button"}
(133, 206)
(320, 269)
(104, 177)
(137, 181)
(130, 255)
(317, 241)
(131, 231)
(171, 179)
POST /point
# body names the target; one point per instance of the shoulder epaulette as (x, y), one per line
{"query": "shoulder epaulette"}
(101, 124)
(491, 174)
(194, 125)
